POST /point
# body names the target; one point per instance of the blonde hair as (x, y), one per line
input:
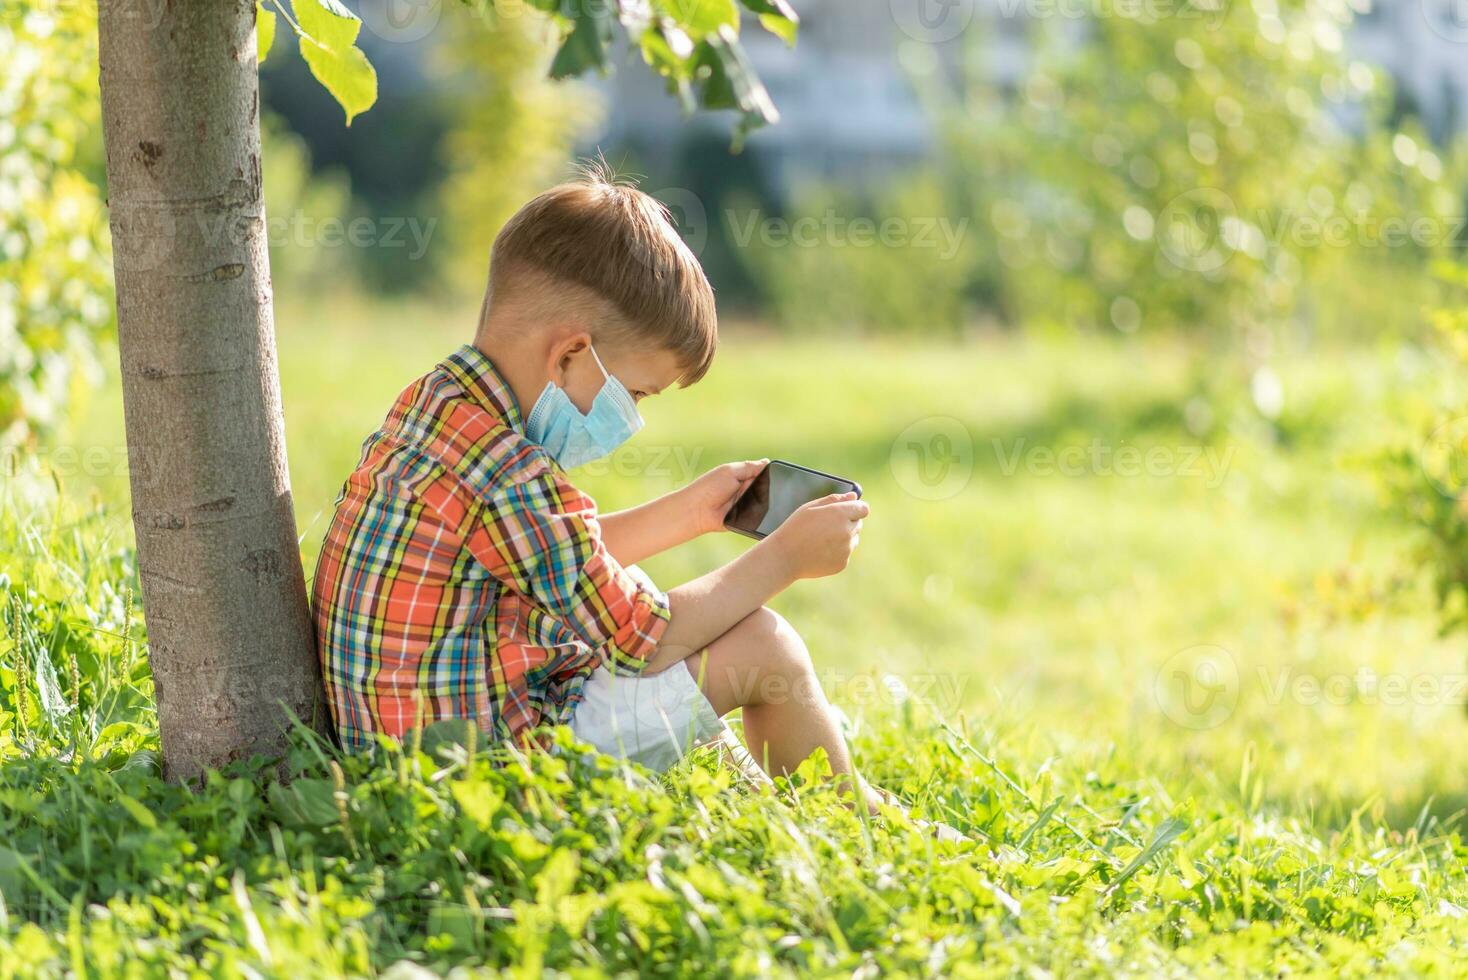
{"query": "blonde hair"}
(601, 233)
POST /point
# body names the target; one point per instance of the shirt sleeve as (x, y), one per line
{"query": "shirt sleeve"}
(542, 539)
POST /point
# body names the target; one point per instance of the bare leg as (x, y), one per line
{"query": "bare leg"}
(762, 666)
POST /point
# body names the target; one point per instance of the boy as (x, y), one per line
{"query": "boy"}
(464, 576)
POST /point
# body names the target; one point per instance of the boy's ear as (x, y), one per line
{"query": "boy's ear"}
(569, 342)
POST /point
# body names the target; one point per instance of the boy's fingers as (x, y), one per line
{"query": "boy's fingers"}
(739, 489)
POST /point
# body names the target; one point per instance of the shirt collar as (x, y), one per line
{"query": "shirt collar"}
(481, 381)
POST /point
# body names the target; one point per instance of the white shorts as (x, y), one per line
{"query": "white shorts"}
(651, 719)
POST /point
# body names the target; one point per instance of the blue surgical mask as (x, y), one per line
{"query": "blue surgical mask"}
(574, 439)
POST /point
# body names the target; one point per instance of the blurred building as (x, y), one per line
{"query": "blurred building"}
(849, 110)
(1424, 45)
(851, 114)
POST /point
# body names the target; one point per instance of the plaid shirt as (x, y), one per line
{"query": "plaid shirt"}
(464, 577)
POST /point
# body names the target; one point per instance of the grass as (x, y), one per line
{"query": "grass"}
(1015, 658)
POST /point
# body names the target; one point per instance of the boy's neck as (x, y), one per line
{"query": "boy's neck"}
(524, 379)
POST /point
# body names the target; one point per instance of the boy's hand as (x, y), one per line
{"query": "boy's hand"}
(709, 497)
(818, 539)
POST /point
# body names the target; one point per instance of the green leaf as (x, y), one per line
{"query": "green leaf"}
(54, 706)
(585, 47)
(782, 27)
(666, 47)
(264, 32)
(454, 922)
(305, 802)
(780, 8)
(328, 43)
(139, 812)
(733, 84)
(703, 18)
(478, 800)
(1167, 832)
(668, 50)
(777, 17)
(557, 877)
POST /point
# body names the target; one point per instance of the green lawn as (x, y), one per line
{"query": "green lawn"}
(1055, 607)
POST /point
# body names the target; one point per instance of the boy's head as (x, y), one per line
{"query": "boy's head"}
(595, 263)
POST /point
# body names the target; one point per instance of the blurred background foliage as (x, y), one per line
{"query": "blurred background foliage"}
(1238, 177)
(892, 261)
(1223, 168)
(1208, 170)
(297, 200)
(55, 271)
(512, 131)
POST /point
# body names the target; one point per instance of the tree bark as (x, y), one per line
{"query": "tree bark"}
(230, 637)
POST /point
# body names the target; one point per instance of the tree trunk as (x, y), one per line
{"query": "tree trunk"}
(229, 631)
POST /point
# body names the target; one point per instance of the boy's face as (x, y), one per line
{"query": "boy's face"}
(642, 371)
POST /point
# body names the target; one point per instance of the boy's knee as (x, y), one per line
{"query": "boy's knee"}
(788, 659)
(769, 626)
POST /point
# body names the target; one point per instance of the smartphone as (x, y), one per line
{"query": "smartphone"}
(779, 491)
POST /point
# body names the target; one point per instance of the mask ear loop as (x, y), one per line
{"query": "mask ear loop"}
(606, 375)
(618, 391)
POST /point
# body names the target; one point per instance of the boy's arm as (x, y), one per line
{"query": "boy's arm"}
(648, 529)
(709, 606)
(543, 540)
(674, 518)
(816, 541)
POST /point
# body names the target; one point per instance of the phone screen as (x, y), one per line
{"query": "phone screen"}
(780, 490)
